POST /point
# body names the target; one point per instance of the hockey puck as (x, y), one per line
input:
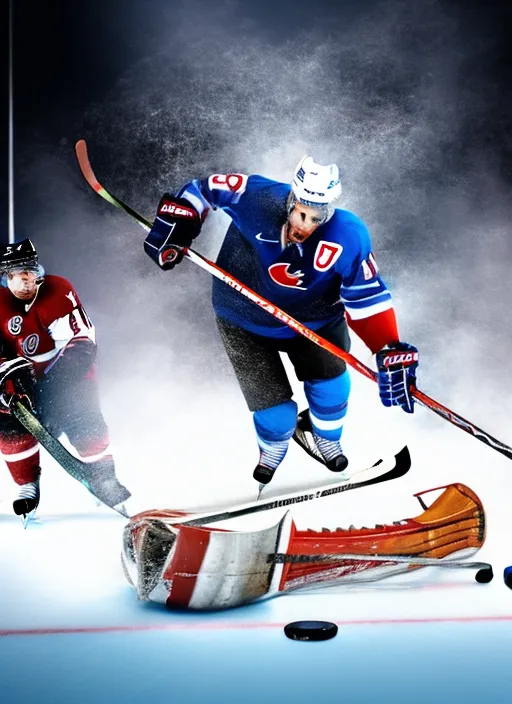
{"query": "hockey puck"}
(311, 630)
(484, 575)
(507, 576)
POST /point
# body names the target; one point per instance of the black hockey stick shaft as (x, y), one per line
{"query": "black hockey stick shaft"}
(74, 467)
(401, 466)
(214, 270)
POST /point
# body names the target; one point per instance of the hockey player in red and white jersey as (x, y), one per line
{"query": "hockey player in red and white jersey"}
(48, 351)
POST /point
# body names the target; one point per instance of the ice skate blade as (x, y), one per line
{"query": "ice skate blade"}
(28, 518)
(261, 487)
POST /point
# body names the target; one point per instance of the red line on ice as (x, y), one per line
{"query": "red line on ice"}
(226, 626)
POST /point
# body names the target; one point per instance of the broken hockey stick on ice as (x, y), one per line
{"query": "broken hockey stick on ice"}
(203, 568)
(377, 473)
(155, 537)
(214, 270)
(74, 467)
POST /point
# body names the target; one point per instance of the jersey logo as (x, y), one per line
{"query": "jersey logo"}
(369, 267)
(262, 239)
(30, 344)
(14, 325)
(280, 274)
(327, 254)
(236, 183)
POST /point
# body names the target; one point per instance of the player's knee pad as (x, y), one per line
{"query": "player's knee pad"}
(277, 422)
(328, 401)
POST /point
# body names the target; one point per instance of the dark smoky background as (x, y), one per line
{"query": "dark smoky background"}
(411, 98)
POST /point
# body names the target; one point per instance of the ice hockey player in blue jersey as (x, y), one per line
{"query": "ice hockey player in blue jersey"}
(292, 246)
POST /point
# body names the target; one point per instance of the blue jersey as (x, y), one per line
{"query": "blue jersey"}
(332, 270)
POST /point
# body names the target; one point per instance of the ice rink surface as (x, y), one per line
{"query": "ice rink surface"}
(72, 630)
(409, 98)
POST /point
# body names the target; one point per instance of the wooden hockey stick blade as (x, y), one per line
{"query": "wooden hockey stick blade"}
(402, 464)
(422, 398)
(73, 466)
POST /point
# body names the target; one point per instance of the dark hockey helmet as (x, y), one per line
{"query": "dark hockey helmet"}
(19, 256)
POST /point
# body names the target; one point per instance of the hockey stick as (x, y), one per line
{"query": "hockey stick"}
(214, 270)
(73, 466)
(402, 464)
(484, 573)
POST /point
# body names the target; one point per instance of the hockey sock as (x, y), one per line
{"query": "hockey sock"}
(274, 428)
(272, 454)
(328, 400)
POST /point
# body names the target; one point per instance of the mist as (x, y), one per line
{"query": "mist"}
(397, 94)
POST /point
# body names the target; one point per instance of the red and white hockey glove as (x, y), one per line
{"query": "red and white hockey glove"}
(176, 225)
(16, 382)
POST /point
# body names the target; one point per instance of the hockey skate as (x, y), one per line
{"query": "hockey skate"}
(27, 502)
(271, 455)
(305, 437)
(263, 475)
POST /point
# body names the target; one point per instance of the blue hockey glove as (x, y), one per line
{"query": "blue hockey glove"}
(396, 375)
(176, 224)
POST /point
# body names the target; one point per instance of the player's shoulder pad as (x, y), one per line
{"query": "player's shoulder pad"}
(57, 283)
(257, 181)
(350, 227)
(267, 187)
(59, 288)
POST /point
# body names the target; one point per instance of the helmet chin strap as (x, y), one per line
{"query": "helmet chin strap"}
(30, 303)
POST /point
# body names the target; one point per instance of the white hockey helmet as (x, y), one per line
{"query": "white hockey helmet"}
(315, 184)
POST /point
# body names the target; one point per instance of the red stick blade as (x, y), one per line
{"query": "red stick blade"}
(85, 165)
